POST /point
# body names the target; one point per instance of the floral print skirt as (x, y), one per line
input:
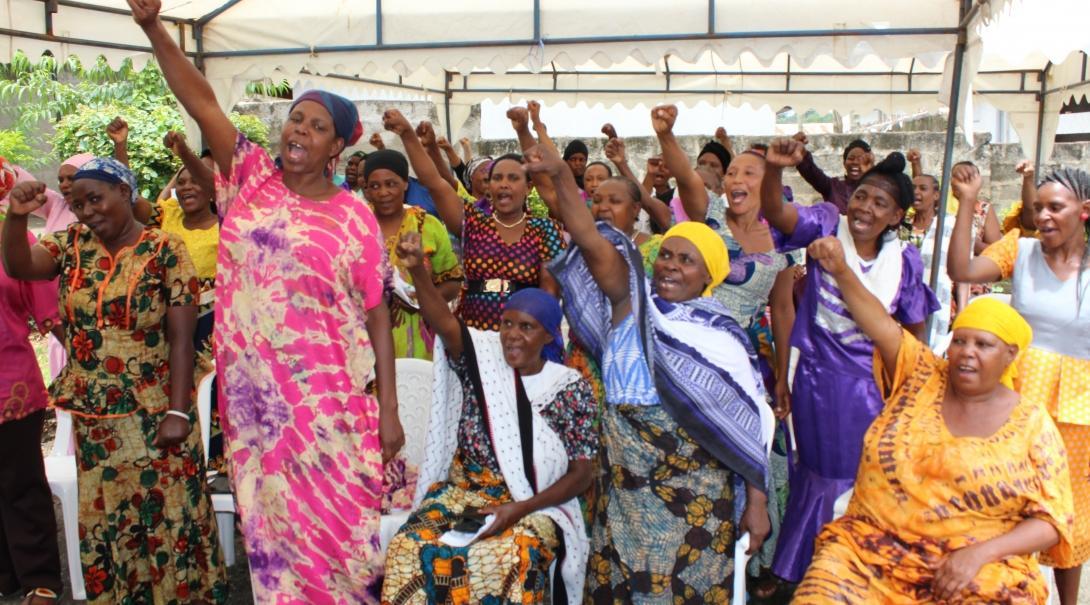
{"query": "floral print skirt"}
(510, 568)
(663, 530)
(146, 525)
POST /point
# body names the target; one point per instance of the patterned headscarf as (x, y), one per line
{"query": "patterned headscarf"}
(995, 317)
(543, 307)
(346, 118)
(109, 170)
(711, 247)
(471, 167)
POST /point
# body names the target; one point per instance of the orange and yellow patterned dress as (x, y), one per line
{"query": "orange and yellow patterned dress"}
(922, 493)
(1055, 369)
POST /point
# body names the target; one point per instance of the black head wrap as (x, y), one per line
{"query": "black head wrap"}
(892, 170)
(574, 147)
(387, 159)
(716, 149)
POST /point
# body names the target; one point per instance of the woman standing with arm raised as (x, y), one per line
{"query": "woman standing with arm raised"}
(1050, 284)
(834, 397)
(301, 330)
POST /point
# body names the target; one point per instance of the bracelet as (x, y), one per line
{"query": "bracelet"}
(178, 414)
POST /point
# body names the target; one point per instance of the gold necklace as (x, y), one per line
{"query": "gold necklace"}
(512, 225)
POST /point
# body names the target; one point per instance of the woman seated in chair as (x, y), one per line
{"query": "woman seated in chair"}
(480, 463)
(960, 481)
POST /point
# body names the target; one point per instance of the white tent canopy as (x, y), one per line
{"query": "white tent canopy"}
(810, 54)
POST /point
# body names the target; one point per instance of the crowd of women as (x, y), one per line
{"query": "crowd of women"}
(618, 461)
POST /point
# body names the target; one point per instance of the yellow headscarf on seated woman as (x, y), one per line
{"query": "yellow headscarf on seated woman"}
(990, 315)
(711, 247)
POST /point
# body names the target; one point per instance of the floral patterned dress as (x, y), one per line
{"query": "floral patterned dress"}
(412, 336)
(147, 531)
(296, 279)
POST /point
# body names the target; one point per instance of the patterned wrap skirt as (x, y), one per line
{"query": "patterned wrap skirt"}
(663, 530)
(511, 568)
(146, 525)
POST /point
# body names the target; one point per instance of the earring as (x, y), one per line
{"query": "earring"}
(1085, 215)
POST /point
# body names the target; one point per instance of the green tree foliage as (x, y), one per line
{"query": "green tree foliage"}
(13, 147)
(80, 101)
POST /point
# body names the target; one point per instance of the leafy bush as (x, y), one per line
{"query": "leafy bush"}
(14, 148)
(80, 101)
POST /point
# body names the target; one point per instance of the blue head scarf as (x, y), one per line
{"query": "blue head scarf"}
(346, 118)
(108, 170)
(543, 307)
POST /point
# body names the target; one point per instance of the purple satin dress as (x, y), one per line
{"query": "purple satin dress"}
(834, 396)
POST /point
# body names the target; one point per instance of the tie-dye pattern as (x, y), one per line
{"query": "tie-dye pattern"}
(296, 277)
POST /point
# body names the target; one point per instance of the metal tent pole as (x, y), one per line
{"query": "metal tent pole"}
(947, 164)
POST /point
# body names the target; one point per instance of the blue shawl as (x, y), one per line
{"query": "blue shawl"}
(702, 397)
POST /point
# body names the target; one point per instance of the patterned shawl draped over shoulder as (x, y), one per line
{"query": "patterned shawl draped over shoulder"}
(703, 364)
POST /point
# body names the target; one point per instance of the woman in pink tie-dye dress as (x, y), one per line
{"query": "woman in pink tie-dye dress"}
(301, 329)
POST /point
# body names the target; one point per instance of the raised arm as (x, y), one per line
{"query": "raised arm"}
(426, 133)
(965, 182)
(867, 311)
(724, 139)
(433, 307)
(467, 150)
(447, 203)
(118, 131)
(543, 138)
(187, 84)
(21, 260)
(616, 153)
(811, 172)
(201, 173)
(1029, 195)
(520, 121)
(916, 161)
(690, 187)
(604, 261)
(376, 141)
(781, 154)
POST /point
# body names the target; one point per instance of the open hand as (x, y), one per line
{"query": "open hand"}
(786, 152)
(26, 197)
(829, 252)
(663, 118)
(118, 130)
(396, 123)
(145, 12)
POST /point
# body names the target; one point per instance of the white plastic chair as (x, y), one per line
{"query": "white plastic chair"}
(60, 471)
(741, 559)
(414, 387)
(222, 504)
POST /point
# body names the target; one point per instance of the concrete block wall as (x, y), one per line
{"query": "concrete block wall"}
(1002, 184)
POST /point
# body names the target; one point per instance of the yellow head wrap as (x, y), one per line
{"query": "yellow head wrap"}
(995, 317)
(711, 247)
